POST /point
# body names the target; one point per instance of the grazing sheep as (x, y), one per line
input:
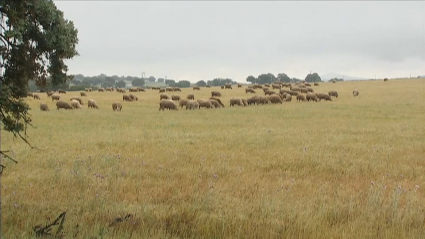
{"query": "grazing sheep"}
(300, 98)
(249, 90)
(175, 97)
(101, 90)
(355, 92)
(49, 93)
(167, 104)
(192, 104)
(133, 97)
(78, 99)
(324, 96)
(310, 90)
(176, 89)
(288, 98)
(83, 94)
(205, 103)
(126, 98)
(316, 84)
(218, 100)
(63, 105)
(261, 99)
(236, 101)
(239, 85)
(161, 90)
(208, 86)
(44, 107)
(36, 96)
(275, 99)
(333, 93)
(312, 97)
(29, 94)
(304, 90)
(196, 88)
(190, 97)
(163, 97)
(92, 104)
(215, 103)
(55, 97)
(251, 100)
(116, 106)
(75, 104)
(215, 93)
(385, 79)
(269, 92)
(222, 87)
(294, 93)
(183, 102)
(276, 86)
(61, 91)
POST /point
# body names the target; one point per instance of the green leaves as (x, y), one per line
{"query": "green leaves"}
(35, 41)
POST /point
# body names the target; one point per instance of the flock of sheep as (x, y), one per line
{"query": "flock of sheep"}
(270, 96)
(301, 91)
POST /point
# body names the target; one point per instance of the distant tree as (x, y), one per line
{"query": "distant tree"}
(120, 84)
(282, 77)
(313, 78)
(183, 84)
(201, 83)
(151, 79)
(170, 82)
(266, 78)
(78, 77)
(251, 79)
(138, 82)
(219, 81)
(160, 80)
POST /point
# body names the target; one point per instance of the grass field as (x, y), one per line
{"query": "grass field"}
(351, 168)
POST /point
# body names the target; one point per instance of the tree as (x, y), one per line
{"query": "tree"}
(183, 84)
(151, 79)
(170, 82)
(201, 83)
(138, 82)
(120, 84)
(313, 78)
(160, 80)
(266, 78)
(251, 79)
(282, 77)
(35, 39)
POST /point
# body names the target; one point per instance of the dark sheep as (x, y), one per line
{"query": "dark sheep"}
(55, 97)
(249, 90)
(167, 104)
(312, 97)
(44, 107)
(116, 106)
(83, 94)
(183, 102)
(175, 97)
(333, 93)
(227, 86)
(190, 97)
(63, 105)
(192, 105)
(196, 88)
(126, 98)
(300, 98)
(215, 93)
(36, 97)
(163, 97)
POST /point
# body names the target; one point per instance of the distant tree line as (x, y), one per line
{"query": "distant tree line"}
(335, 79)
(269, 78)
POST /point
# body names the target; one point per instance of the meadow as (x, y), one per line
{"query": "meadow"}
(350, 168)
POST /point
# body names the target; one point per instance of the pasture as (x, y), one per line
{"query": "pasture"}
(350, 168)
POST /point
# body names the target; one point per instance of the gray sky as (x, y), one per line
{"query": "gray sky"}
(198, 40)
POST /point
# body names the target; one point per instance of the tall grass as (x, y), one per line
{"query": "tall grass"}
(351, 168)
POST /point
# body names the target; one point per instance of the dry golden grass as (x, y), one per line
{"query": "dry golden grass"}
(351, 168)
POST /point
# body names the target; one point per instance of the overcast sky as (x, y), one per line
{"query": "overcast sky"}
(198, 40)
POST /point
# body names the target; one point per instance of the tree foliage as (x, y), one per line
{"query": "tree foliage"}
(151, 79)
(266, 78)
(282, 77)
(138, 82)
(35, 40)
(220, 81)
(201, 83)
(182, 84)
(170, 82)
(313, 78)
(251, 79)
